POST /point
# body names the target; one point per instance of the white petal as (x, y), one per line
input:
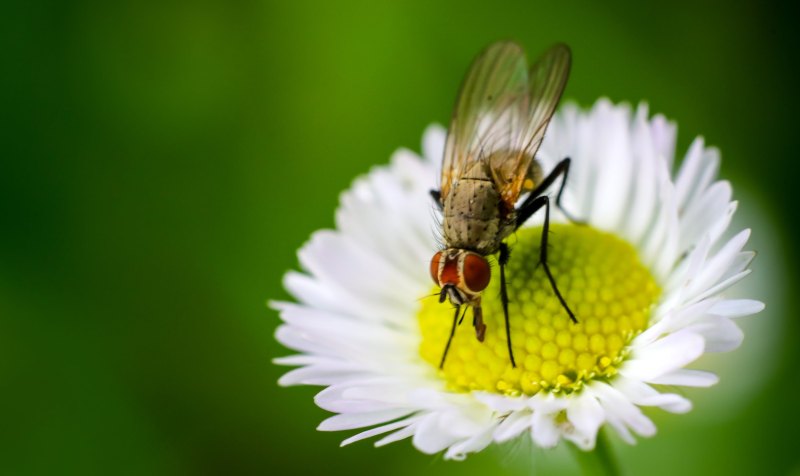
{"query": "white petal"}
(430, 437)
(500, 403)
(670, 402)
(337, 261)
(716, 267)
(387, 389)
(644, 395)
(663, 134)
(430, 399)
(711, 206)
(406, 235)
(349, 421)
(720, 333)
(586, 415)
(333, 399)
(471, 445)
(687, 378)
(411, 171)
(698, 171)
(660, 244)
(319, 375)
(299, 340)
(300, 359)
(332, 325)
(463, 422)
(736, 308)
(513, 425)
(622, 430)
(398, 435)
(692, 267)
(663, 356)
(611, 190)
(433, 143)
(544, 430)
(322, 296)
(727, 282)
(379, 430)
(644, 207)
(625, 412)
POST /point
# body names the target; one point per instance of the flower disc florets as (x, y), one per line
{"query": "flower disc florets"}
(601, 277)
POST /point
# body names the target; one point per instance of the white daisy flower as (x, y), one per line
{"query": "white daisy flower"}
(645, 279)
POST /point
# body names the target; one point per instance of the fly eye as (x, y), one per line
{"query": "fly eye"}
(476, 272)
(435, 267)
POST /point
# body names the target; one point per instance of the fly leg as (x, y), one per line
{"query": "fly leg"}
(562, 168)
(450, 339)
(505, 254)
(437, 197)
(477, 321)
(528, 208)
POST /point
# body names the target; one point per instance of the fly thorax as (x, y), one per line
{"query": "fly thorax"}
(473, 215)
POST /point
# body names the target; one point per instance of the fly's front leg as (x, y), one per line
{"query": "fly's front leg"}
(505, 254)
(450, 339)
(561, 169)
(527, 209)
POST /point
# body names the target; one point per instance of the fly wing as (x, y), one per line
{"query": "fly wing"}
(491, 110)
(548, 77)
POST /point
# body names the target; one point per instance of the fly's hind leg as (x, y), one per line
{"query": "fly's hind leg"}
(534, 174)
(528, 208)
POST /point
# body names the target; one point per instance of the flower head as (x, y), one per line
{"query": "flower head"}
(645, 278)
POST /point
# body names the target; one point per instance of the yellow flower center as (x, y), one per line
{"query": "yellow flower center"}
(602, 280)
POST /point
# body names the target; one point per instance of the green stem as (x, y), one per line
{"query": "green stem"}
(600, 461)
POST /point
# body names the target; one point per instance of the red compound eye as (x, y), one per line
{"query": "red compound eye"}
(476, 272)
(435, 267)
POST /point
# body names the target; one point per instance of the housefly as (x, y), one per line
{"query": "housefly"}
(498, 124)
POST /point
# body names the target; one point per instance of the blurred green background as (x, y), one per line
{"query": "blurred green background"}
(163, 161)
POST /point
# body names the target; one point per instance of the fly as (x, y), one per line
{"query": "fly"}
(498, 124)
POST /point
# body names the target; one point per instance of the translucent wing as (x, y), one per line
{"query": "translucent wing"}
(548, 77)
(491, 110)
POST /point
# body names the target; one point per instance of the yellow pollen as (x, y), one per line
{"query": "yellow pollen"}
(610, 291)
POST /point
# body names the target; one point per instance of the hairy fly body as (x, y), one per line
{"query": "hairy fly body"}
(498, 124)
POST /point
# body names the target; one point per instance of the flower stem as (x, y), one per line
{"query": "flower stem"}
(601, 461)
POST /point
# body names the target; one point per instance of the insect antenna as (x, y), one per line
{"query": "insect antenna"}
(427, 296)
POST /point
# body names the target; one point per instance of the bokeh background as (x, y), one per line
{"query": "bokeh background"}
(163, 161)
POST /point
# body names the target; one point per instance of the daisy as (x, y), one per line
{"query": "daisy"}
(645, 278)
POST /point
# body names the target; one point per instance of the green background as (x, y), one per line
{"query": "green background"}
(162, 162)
